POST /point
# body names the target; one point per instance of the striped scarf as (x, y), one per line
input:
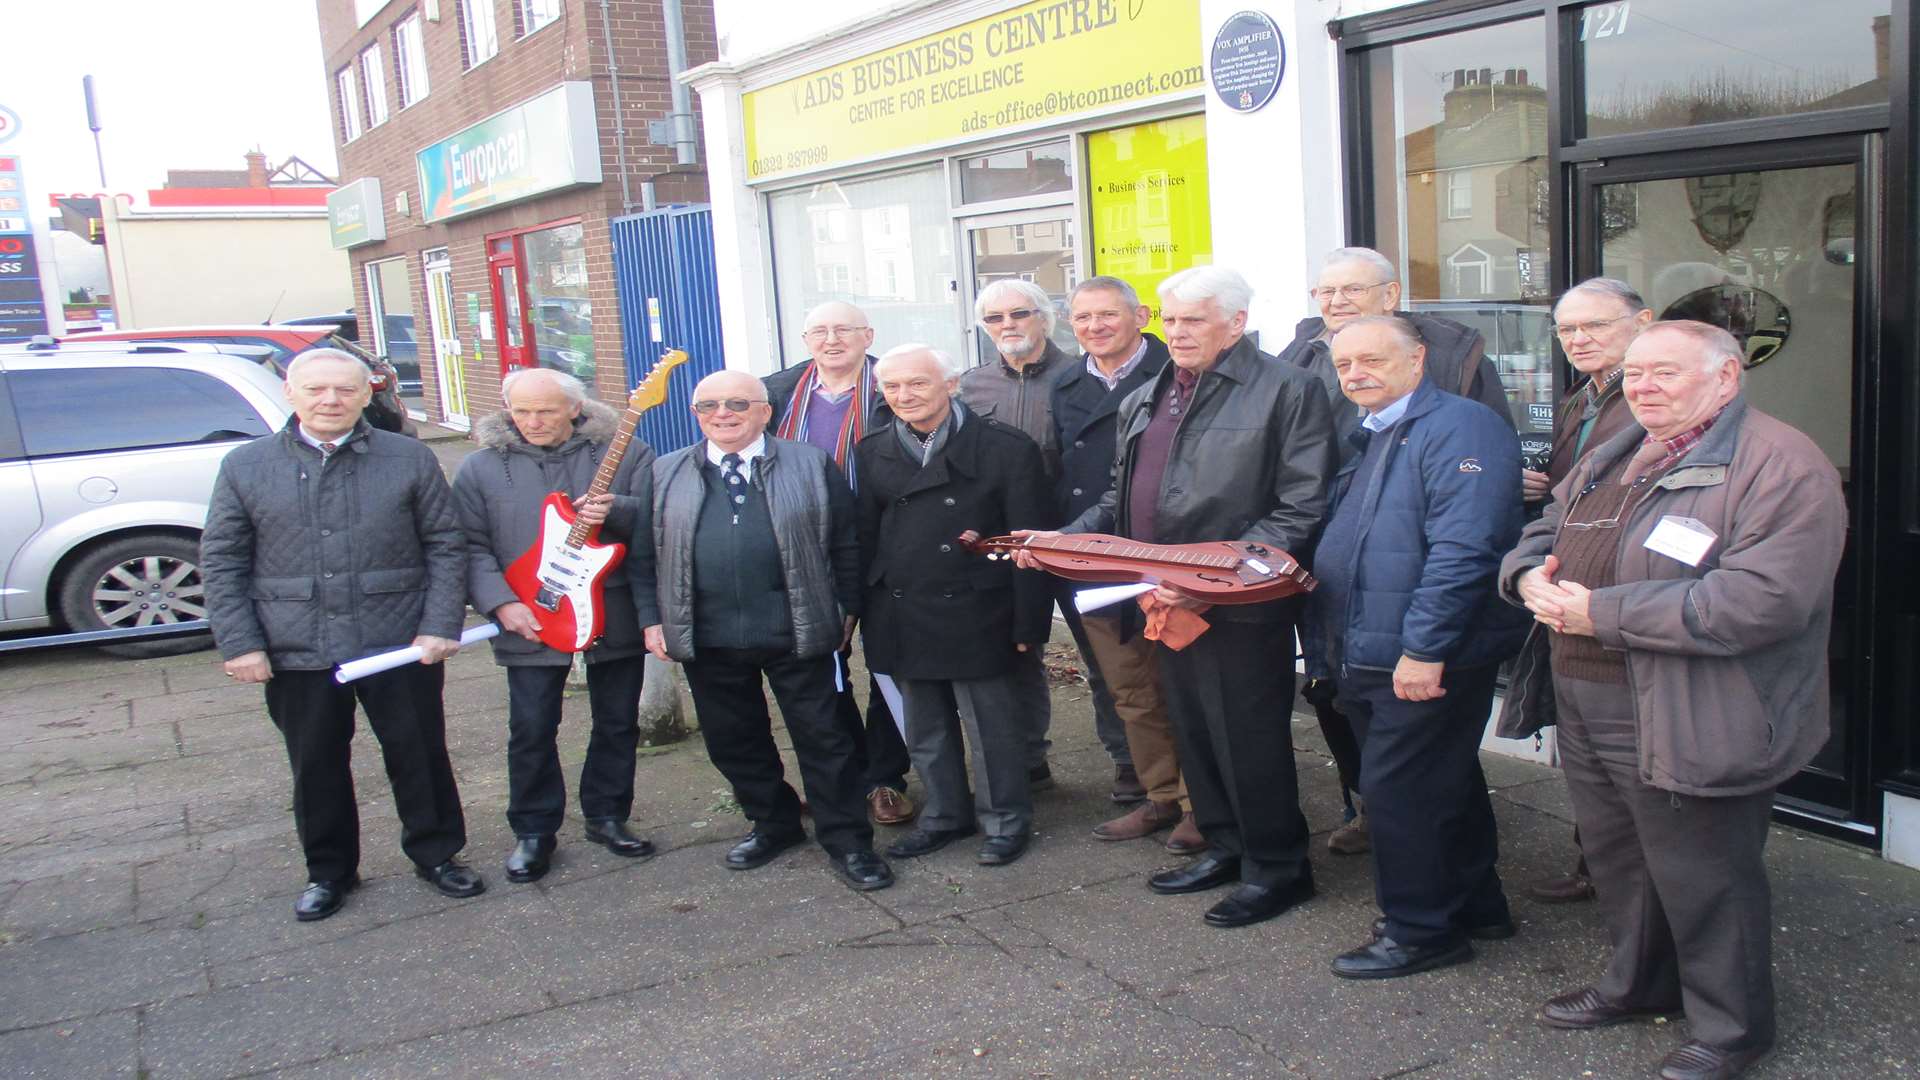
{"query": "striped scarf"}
(793, 422)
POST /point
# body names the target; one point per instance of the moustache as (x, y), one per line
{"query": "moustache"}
(1352, 386)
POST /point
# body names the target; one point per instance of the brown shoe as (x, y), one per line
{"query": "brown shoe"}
(1186, 838)
(889, 807)
(1700, 1061)
(1143, 820)
(1584, 1009)
(1127, 787)
(1351, 838)
(1565, 889)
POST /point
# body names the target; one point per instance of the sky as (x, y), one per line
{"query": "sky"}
(184, 84)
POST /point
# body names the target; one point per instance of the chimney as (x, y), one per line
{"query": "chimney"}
(1881, 50)
(256, 169)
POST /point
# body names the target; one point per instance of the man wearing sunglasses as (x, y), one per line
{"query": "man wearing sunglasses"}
(759, 578)
(832, 401)
(1354, 283)
(1018, 317)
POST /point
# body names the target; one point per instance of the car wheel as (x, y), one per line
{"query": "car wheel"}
(149, 580)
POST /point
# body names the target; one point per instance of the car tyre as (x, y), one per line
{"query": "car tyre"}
(144, 580)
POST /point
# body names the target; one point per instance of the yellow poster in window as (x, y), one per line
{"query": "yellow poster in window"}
(1148, 205)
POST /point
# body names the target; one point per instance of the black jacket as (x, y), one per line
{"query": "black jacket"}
(933, 609)
(1083, 419)
(1456, 362)
(1252, 461)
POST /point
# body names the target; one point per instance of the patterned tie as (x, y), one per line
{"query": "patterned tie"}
(736, 483)
(327, 449)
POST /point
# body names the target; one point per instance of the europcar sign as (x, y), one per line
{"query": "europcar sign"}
(544, 144)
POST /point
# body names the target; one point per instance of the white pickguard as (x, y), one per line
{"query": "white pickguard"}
(571, 571)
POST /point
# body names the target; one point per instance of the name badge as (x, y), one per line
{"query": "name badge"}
(1682, 539)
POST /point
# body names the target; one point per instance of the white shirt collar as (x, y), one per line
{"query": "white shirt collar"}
(758, 447)
(1386, 417)
(1124, 370)
(308, 438)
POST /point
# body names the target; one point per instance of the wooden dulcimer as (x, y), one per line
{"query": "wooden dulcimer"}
(1220, 572)
(562, 577)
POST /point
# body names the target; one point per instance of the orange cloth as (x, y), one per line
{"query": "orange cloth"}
(1174, 627)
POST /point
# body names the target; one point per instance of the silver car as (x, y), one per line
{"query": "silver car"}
(108, 455)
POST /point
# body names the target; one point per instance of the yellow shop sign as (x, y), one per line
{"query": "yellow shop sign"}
(1038, 63)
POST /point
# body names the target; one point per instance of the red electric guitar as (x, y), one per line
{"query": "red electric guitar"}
(561, 576)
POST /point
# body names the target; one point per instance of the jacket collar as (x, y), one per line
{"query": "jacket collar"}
(1703, 466)
(1051, 359)
(356, 441)
(1240, 363)
(496, 431)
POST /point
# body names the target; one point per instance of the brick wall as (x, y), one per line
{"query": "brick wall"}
(571, 48)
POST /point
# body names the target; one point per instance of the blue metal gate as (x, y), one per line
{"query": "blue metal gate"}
(669, 299)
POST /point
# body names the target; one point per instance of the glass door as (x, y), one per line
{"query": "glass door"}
(1036, 246)
(448, 362)
(509, 304)
(1774, 243)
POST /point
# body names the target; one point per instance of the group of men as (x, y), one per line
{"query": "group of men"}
(1669, 602)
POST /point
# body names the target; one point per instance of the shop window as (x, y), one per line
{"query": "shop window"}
(410, 58)
(557, 301)
(480, 39)
(390, 307)
(347, 96)
(1450, 117)
(1017, 174)
(896, 229)
(374, 74)
(1653, 64)
(1148, 208)
(535, 14)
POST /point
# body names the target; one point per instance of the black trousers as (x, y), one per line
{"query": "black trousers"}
(1107, 726)
(1231, 706)
(536, 785)
(1431, 822)
(879, 751)
(403, 707)
(739, 737)
(1337, 730)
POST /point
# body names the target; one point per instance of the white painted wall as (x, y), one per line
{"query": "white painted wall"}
(170, 271)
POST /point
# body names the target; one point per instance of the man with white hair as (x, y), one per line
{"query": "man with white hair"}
(1018, 317)
(1227, 444)
(1355, 282)
(1685, 568)
(951, 626)
(551, 438)
(326, 543)
(831, 401)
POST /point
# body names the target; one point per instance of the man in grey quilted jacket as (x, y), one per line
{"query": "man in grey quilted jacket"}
(327, 542)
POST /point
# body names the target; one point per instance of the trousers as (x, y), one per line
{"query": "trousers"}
(536, 785)
(880, 750)
(1428, 813)
(738, 731)
(1681, 879)
(1108, 727)
(950, 720)
(1132, 670)
(403, 707)
(1231, 707)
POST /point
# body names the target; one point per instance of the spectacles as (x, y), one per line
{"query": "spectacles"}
(995, 318)
(1569, 331)
(821, 333)
(1345, 292)
(733, 404)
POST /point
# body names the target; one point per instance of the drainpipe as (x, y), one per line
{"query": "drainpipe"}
(684, 143)
(619, 113)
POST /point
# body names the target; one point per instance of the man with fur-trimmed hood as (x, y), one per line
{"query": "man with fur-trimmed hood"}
(552, 438)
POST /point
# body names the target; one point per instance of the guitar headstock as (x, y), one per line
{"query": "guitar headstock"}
(653, 389)
(998, 547)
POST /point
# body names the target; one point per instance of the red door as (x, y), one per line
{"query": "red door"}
(509, 304)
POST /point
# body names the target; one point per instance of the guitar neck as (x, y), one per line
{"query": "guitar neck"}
(603, 476)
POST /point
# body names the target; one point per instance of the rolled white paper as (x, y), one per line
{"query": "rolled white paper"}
(387, 661)
(1106, 595)
(890, 690)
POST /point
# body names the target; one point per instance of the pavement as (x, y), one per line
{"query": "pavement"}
(148, 867)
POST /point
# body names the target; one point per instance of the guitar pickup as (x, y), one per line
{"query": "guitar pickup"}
(548, 599)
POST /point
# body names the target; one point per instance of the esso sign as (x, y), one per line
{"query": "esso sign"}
(13, 245)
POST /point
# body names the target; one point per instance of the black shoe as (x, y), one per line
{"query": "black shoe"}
(759, 848)
(1203, 873)
(1695, 1060)
(863, 871)
(612, 834)
(530, 860)
(1584, 1009)
(453, 878)
(1384, 958)
(1001, 850)
(323, 898)
(920, 842)
(1250, 904)
(1040, 778)
(1493, 931)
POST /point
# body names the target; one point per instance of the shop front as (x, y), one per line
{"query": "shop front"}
(907, 167)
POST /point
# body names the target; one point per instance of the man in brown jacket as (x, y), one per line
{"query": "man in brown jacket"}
(1686, 570)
